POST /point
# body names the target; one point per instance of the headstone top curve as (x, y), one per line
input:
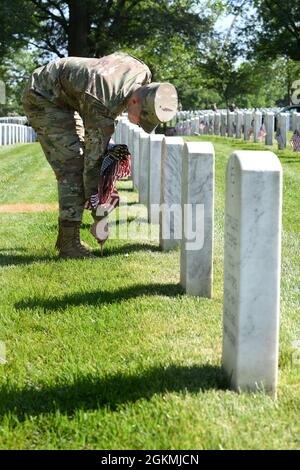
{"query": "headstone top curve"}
(257, 160)
(174, 140)
(200, 147)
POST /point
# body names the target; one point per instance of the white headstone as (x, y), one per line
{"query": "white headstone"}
(131, 129)
(124, 132)
(170, 218)
(223, 124)
(269, 126)
(144, 149)
(211, 119)
(257, 125)
(206, 123)
(136, 160)
(239, 116)
(194, 125)
(248, 129)
(196, 264)
(231, 124)
(156, 142)
(282, 130)
(217, 123)
(252, 270)
(118, 132)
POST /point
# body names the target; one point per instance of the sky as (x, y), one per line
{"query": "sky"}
(224, 23)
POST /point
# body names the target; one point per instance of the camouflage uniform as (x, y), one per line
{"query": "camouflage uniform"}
(72, 103)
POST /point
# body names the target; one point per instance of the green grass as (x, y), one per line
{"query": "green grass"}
(109, 353)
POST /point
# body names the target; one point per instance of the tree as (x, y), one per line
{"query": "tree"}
(170, 36)
(95, 28)
(272, 27)
(13, 72)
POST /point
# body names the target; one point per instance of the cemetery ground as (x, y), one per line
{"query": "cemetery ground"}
(109, 353)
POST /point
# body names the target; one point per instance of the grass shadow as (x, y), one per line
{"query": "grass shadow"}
(15, 259)
(100, 297)
(288, 160)
(110, 391)
(11, 257)
(130, 248)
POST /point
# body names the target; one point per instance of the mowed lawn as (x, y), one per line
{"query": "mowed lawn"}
(109, 353)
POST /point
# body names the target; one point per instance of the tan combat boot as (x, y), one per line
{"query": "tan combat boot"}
(68, 241)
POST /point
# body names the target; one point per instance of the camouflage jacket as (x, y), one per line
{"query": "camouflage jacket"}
(98, 89)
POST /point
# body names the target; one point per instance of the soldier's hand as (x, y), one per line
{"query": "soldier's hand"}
(118, 151)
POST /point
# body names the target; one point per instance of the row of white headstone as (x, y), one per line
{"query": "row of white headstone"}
(240, 124)
(168, 174)
(15, 133)
(14, 120)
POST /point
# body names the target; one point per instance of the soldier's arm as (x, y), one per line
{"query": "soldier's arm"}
(98, 131)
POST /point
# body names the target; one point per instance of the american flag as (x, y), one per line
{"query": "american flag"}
(295, 141)
(115, 165)
(262, 132)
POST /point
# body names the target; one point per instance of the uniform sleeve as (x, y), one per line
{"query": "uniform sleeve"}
(99, 128)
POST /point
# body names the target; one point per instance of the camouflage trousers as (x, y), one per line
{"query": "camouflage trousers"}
(61, 135)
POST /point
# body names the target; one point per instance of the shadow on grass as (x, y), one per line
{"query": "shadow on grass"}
(288, 160)
(10, 256)
(129, 248)
(15, 259)
(100, 297)
(111, 391)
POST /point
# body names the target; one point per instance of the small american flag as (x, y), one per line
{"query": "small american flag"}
(262, 132)
(295, 141)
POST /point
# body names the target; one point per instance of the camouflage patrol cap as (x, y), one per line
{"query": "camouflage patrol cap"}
(159, 104)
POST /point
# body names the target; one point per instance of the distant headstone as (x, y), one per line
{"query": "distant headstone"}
(223, 124)
(257, 126)
(269, 126)
(248, 129)
(295, 122)
(282, 130)
(217, 123)
(238, 124)
(194, 125)
(211, 123)
(252, 270)
(231, 124)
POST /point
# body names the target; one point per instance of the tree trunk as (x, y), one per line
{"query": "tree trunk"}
(79, 28)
